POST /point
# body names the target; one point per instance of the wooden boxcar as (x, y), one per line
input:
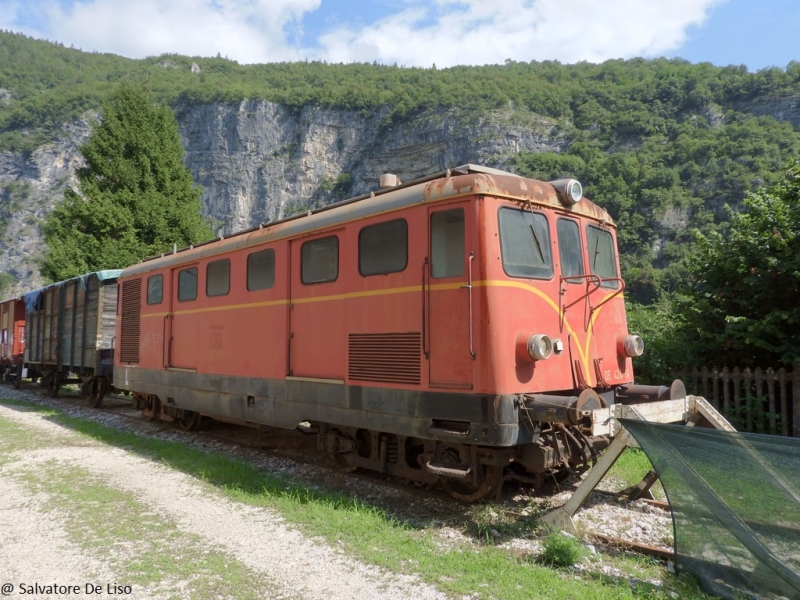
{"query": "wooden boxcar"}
(12, 337)
(71, 333)
(456, 328)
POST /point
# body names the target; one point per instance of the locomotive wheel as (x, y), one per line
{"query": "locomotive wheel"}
(97, 391)
(190, 420)
(152, 408)
(489, 481)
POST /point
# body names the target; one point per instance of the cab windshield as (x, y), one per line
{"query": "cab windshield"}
(602, 258)
(525, 244)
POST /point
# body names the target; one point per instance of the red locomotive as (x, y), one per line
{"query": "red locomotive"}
(455, 329)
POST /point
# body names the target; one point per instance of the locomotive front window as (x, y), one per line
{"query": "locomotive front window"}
(155, 289)
(319, 260)
(383, 248)
(261, 270)
(569, 249)
(447, 243)
(218, 278)
(602, 259)
(187, 284)
(525, 244)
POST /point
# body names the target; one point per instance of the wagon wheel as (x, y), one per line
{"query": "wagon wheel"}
(53, 385)
(190, 420)
(97, 391)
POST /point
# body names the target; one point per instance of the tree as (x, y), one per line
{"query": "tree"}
(136, 196)
(744, 304)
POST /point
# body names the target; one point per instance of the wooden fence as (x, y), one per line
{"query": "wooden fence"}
(762, 401)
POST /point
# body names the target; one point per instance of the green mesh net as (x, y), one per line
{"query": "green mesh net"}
(735, 501)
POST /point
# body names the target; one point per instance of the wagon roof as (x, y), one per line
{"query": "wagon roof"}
(467, 180)
(110, 275)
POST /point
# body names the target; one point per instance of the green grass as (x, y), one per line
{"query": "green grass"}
(375, 536)
(160, 557)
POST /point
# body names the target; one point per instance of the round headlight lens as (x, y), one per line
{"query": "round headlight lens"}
(540, 346)
(634, 345)
(575, 191)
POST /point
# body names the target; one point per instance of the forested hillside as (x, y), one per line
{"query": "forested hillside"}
(662, 144)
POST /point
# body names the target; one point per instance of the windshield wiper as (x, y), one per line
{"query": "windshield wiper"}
(596, 253)
(536, 239)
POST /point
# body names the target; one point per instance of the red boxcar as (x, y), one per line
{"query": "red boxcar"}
(451, 329)
(12, 337)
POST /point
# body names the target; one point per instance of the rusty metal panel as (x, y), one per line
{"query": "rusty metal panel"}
(131, 309)
(385, 357)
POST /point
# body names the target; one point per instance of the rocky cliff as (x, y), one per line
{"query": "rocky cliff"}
(258, 161)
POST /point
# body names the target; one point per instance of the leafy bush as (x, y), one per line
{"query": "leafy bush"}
(561, 550)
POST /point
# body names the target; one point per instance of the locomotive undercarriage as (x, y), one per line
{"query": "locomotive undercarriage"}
(467, 472)
(554, 440)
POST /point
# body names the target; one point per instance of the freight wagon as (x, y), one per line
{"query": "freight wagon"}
(70, 330)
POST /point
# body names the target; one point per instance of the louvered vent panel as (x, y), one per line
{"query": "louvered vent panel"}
(131, 307)
(385, 357)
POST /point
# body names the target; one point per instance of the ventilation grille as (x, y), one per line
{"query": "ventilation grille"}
(385, 357)
(131, 307)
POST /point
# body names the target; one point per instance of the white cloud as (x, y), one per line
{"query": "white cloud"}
(482, 31)
(250, 31)
(422, 32)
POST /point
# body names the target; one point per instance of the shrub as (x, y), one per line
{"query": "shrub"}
(561, 550)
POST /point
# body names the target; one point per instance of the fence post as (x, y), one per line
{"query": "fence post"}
(796, 400)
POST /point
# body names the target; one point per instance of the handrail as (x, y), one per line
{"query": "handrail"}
(590, 279)
(468, 287)
(610, 296)
(425, 349)
(165, 355)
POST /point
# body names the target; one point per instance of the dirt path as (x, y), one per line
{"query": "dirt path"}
(74, 511)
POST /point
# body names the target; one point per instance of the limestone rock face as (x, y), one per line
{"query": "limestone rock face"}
(258, 161)
(29, 187)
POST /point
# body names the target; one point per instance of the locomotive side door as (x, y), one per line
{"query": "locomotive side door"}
(181, 326)
(450, 296)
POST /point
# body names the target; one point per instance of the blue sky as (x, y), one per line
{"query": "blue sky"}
(756, 33)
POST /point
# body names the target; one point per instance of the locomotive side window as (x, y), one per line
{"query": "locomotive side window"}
(447, 243)
(569, 249)
(319, 260)
(261, 270)
(602, 259)
(218, 278)
(155, 289)
(383, 248)
(525, 244)
(187, 284)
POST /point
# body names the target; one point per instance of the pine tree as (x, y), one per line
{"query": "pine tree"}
(136, 196)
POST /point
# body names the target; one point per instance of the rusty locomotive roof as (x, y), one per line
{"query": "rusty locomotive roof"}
(467, 180)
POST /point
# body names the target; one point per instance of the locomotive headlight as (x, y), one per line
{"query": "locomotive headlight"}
(540, 347)
(633, 345)
(570, 191)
